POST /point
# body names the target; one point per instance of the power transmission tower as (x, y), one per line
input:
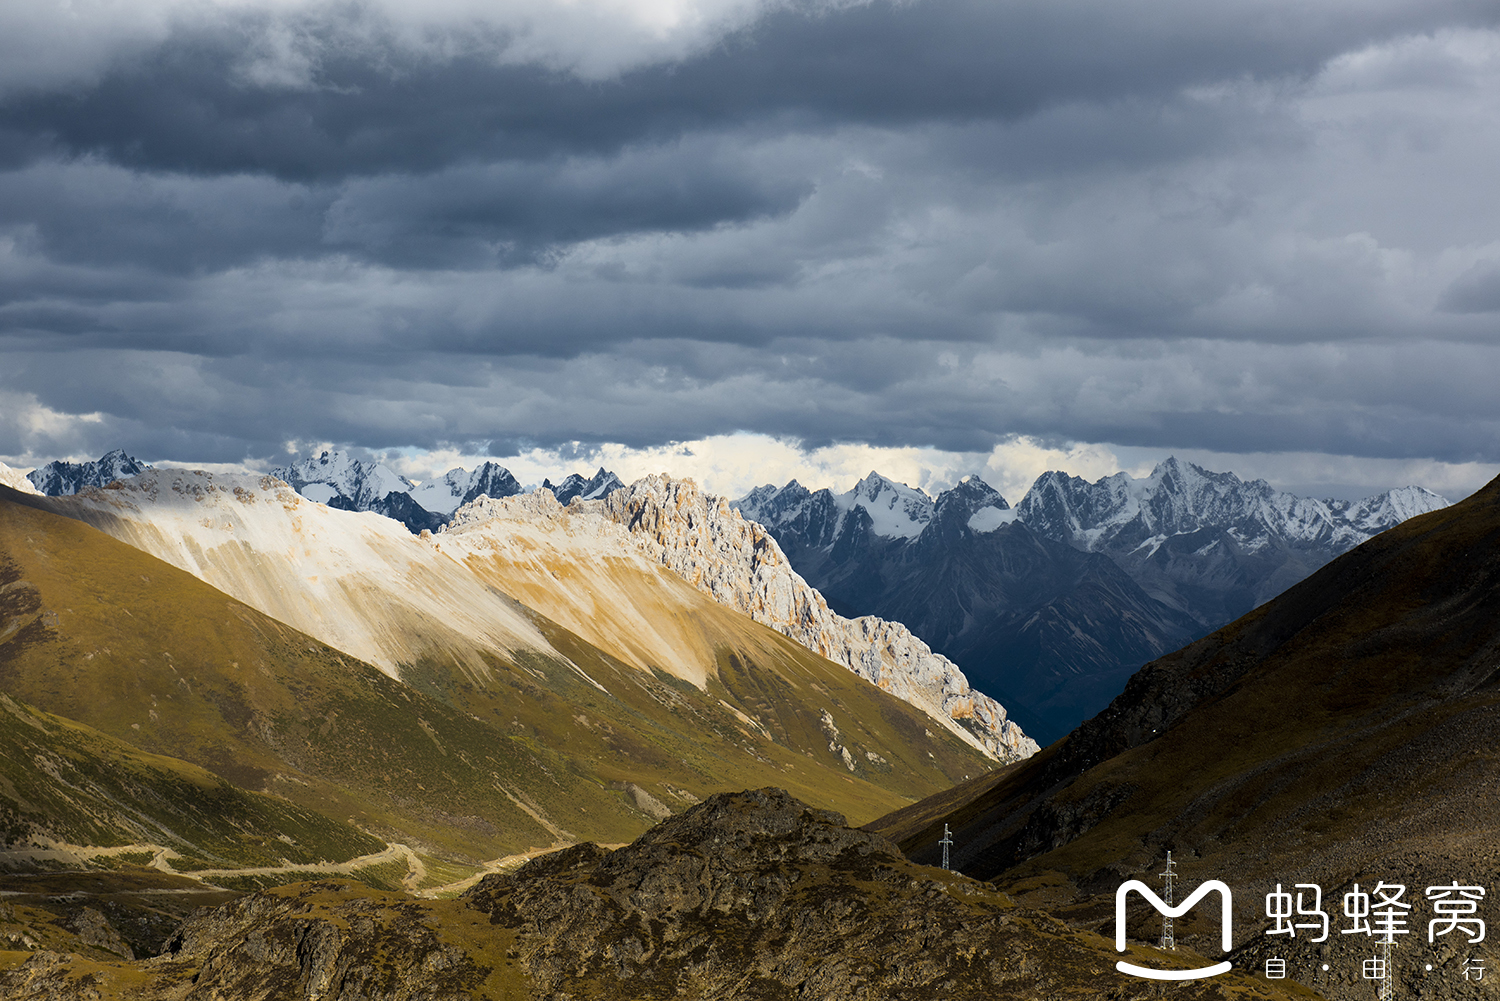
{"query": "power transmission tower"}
(1387, 983)
(1168, 940)
(947, 840)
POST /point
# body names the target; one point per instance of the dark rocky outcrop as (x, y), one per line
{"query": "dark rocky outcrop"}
(755, 895)
(750, 896)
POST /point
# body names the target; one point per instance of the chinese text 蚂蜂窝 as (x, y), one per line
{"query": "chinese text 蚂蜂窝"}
(1383, 917)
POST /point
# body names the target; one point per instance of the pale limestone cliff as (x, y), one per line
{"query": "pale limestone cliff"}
(16, 480)
(739, 564)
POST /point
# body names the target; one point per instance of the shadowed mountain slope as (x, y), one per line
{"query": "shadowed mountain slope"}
(1048, 630)
(1050, 606)
(1345, 731)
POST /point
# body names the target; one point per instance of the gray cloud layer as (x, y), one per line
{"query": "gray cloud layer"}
(1251, 227)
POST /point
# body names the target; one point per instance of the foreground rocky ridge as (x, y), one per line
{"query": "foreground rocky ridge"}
(738, 564)
(750, 895)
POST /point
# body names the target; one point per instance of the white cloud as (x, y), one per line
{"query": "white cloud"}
(39, 433)
(731, 465)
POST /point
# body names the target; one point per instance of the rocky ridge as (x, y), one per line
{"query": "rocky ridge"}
(672, 524)
(755, 895)
(748, 896)
(706, 542)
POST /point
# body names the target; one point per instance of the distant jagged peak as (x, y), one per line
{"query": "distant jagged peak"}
(895, 509)
(459, 486)
(1375, 514)
(776, 506)
(971, 503)
(360, 484)
(63, 479)
(971, 494)
(593, 488)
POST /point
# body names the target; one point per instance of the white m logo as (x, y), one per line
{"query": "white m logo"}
(1173, 912)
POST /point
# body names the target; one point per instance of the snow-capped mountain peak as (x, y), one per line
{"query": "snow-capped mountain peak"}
(63, 479)
(895, 509)
(337, 474)
(1375, 514)
(458, 487)
(975, 503)
(593, 488)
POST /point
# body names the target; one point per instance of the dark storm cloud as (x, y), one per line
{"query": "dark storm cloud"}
(1236, 227)
(183, 107)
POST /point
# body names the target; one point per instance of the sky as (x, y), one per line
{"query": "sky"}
(747, 240)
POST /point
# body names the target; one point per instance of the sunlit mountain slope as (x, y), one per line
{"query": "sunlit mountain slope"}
(661, 576)
(541, 749)
(356, 581)
(72, 795)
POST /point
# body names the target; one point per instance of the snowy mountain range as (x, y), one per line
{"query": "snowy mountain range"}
(62, 479)
(1049, 606)
(1120, 513)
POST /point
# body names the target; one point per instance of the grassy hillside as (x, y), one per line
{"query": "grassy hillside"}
(536, 750)
(64, 786)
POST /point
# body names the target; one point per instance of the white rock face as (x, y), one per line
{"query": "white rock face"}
(739, 564)
(586, 573)
(357, 581)
(16, 480)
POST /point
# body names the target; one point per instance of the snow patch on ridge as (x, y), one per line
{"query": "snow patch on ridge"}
(987, 519)
(318, 493)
